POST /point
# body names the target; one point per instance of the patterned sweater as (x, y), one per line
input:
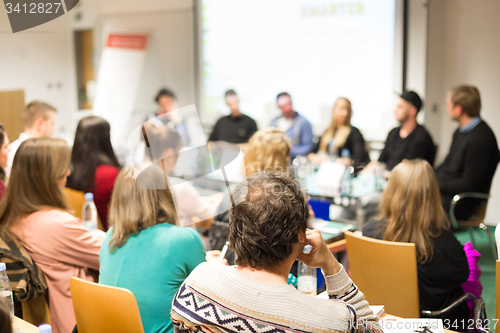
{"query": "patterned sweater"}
(218, 298)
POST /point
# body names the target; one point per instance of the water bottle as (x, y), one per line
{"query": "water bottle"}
(346, 153)
(89, 212)
(5, 288)
(346, 182)
(44, 328)
(332, 150)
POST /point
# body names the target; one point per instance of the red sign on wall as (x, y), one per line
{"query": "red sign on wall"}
(132, 42)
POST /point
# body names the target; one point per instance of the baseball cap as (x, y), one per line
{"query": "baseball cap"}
(413, 98)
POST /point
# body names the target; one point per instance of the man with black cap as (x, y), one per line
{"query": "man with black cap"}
(410, 140)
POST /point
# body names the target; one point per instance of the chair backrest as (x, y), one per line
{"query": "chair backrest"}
(497, 299)
(76, 199)
(478, 217)
(386, 273)
(104, 309)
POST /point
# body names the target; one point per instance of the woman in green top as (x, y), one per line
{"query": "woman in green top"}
(144, 251)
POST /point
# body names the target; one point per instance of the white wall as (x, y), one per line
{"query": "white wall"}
(464, 47)
(40, 61)
(170, 54)
(44, 56)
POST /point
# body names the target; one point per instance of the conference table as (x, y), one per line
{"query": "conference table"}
(21, 326)
(363, 195)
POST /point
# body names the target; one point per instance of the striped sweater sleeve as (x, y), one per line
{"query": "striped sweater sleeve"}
(340, 287)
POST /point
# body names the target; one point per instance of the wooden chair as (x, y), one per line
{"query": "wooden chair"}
(386, 273)
(76, 200)
(497, 297)
(476, 220)
(104, 309)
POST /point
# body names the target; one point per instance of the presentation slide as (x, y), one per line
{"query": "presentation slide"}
(316, 51)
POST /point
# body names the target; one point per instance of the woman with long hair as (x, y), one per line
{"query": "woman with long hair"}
(94, 166)
(144, 251)
(165, 144)
(4, 156)
(411, 212)
(35, 211)
(340, 135)
(268, 149)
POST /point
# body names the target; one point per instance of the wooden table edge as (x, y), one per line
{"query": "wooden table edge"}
(24, 326)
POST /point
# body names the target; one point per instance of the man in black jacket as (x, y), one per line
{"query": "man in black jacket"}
(410, 140)
(473, 157)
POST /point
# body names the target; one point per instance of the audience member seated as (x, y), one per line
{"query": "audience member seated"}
(35, 211)
(144, 251)
(236, 127)
(167, 105)
(410, 140)
(4, 156)
(410, 211)
(94, 166)
(165, 144)
(340, 135)
(38, 121)
(5, 321)
(268, 149)
(167, 114)
(297, 128)
(473, 156)
(268, 232)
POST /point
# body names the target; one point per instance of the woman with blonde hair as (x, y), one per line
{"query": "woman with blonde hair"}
(144, 251)
(340, 135)
(411, 212)
(268, 149)
(35, 211)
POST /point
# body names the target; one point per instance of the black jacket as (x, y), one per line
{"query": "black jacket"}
(469, 167)
(418, 144)
(356, 145)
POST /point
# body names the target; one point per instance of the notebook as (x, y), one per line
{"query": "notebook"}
(332, 231)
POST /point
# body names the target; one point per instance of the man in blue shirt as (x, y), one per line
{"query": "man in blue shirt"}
(297, 128)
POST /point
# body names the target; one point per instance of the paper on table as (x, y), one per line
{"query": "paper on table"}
(378, 310)
(329, 177)
(333, 227)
